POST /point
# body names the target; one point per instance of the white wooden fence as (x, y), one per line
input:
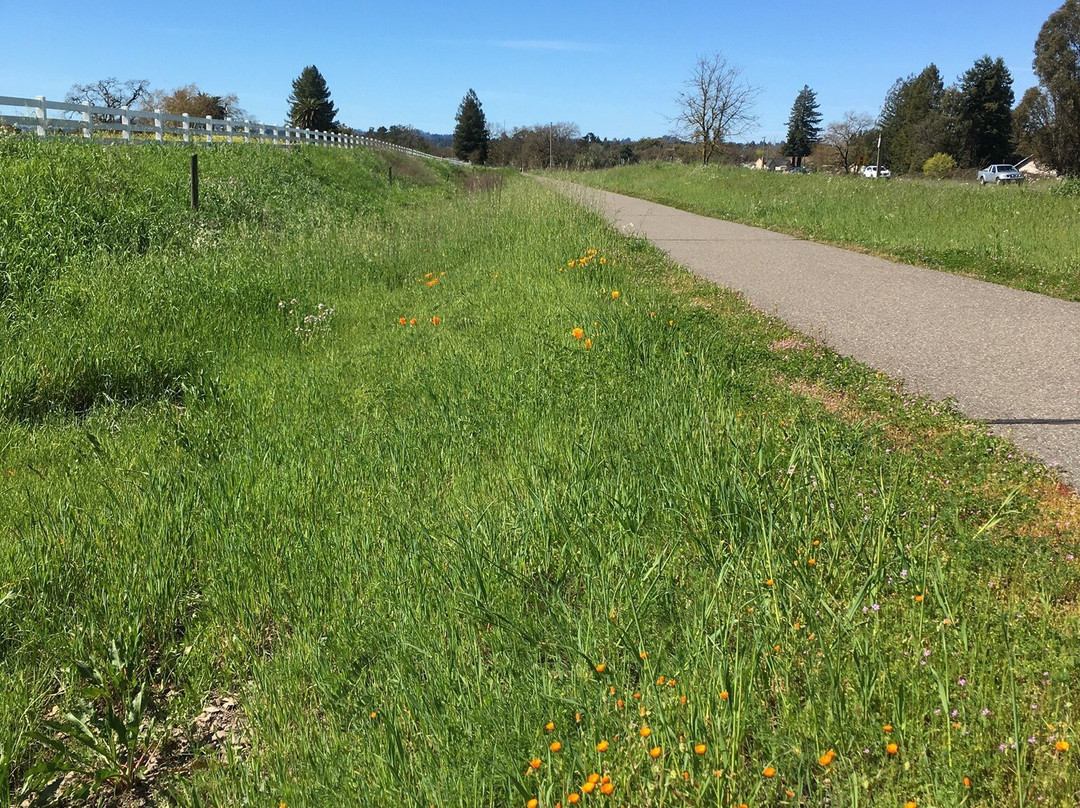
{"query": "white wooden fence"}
(48, 118)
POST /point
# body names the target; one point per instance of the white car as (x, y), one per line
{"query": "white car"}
(874, 172)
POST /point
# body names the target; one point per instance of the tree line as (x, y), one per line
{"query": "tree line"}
(923, 124)
(927, 126)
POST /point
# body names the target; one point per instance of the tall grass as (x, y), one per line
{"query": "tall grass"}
(406, 549)
(1021, 237)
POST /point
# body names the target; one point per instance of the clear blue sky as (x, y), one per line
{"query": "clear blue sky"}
(612, 68)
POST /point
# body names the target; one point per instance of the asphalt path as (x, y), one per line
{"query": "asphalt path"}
(1009, 358)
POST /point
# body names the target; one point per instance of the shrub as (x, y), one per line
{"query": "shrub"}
(1068, 188)
(939, 166)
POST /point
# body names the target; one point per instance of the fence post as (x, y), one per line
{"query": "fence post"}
(194, 182)
(88, 121)
(159, 127)
(228, 131)
(125, 122)
(42, 115)
(209, 129)
(187, 127)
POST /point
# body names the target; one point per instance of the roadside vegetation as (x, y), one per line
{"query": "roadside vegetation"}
(445, 493)
(1022, 236)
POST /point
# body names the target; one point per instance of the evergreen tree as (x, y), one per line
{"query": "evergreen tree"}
(804, 126)
(913, 124)
(309, 103)
(1032, 120)
(471, 133)
(1057, 64)
(984, 113)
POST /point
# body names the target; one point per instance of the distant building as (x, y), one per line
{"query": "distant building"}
(772, 164)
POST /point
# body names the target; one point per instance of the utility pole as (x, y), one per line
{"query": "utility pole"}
(551, 152)
(877, 173)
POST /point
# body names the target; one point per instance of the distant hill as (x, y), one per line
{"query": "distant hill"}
(442, 141)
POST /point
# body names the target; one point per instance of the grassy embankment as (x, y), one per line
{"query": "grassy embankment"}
(311, 558)
(1023, 237)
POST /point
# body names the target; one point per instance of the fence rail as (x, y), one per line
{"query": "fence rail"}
(122, 125)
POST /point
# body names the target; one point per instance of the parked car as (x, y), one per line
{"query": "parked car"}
(873, 172)
(799, 170)
(1000, 173)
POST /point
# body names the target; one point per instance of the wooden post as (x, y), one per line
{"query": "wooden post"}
(187, 127)
(194, 182)
(159, 126)
(209, 129)
(125, 122)
(88, 121)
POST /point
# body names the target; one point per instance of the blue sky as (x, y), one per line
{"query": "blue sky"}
(613, 68)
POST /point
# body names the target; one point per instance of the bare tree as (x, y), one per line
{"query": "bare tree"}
(110, 93)
(847, 137)
(716, 105)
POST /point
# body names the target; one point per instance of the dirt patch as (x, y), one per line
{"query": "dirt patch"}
(792, 343)
(478, 182)
(1058, 516)
(834, 401)
(219, 733)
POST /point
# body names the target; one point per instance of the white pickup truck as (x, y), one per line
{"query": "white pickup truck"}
(1000, 174)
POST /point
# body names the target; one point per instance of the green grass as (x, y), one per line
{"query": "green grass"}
(1023, 237)
(403, 550)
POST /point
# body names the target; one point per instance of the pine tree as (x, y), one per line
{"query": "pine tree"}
(804, 126)
(913, 124)
(309, 104)
(985, 113)
(471, 132)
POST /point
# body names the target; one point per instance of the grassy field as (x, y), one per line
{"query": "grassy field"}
(1023, 237)
(445, 493)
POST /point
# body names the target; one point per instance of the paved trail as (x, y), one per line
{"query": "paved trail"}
(1009, 358)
